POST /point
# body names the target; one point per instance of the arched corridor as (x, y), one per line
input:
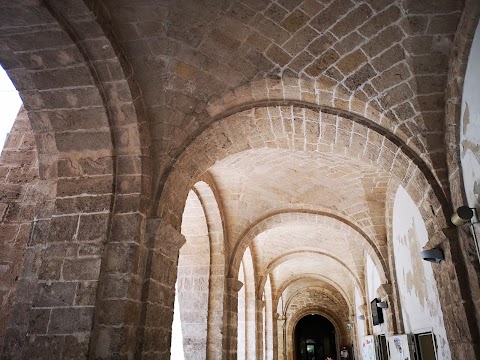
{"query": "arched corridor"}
(315, 338)
(240, 180)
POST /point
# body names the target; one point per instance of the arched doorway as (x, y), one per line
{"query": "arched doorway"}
(315, 338)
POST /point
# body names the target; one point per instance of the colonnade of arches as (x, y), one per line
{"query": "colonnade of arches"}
(192, 190)
(265, 318)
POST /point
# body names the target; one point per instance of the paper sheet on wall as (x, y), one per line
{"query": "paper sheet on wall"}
(399, 348)
(368, 348)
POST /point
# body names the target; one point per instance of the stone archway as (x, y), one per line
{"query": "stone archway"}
(267, 128)
(202, 226)
(134, 102)
(315, 338)
(90, 159)
(325, 218)
(292, 323)
(312, 279)
(205, 191)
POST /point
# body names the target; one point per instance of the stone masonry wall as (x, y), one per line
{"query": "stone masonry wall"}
(111, 85)
(86, 123)
(18, 181)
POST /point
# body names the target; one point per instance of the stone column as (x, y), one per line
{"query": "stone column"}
(275, 335)
(456, 291)
(216, 300)
(233, 286)
(158, 295)
(281, 336)
(260, 346)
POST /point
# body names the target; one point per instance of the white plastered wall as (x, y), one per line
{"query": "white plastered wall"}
(360, 324)
(373, 283)
(416, 284)
(470, 125)
(268, 328)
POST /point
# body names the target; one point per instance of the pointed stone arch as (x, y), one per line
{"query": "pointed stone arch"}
(294, 254)
(87, 129)
(318, 94)
(314, 277)
(321, 218)
(206, 193)
(328, 293)
(292, 323)
(264, 128)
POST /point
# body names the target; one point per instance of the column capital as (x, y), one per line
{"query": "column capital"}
(234, 285)
(438, 238)
(163, 236)
(363, 309)
(385, 290)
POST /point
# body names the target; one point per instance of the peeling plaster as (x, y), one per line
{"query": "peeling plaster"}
(470, 125)
(417, 287)
(361, 328)
(373, 283)
(415, 281)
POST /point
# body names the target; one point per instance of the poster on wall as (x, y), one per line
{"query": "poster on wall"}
(399, 348)
(368, 348)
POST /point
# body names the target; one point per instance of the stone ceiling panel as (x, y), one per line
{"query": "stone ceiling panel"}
(270, 246)
(258, 183)
(311, 263)
(392, 56)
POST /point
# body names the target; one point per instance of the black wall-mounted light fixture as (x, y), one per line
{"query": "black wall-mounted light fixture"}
(463, 215)
(433, 255)
(377, 314)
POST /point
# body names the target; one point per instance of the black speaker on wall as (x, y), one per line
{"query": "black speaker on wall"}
(377, 313)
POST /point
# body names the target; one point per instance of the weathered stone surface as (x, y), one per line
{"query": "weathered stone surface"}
(295, 21)
(55, 294)
(351, 62)
(328, 16)
(322, 63)
(70, 320)
(383, 40)
(280, 109)
(81, 269)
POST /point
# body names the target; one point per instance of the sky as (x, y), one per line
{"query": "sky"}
(10, 103)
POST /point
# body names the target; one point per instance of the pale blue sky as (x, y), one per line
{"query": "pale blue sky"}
(10, 103)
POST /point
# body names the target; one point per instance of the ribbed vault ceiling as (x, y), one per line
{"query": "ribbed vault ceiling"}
(258, 183)
(384, 59)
